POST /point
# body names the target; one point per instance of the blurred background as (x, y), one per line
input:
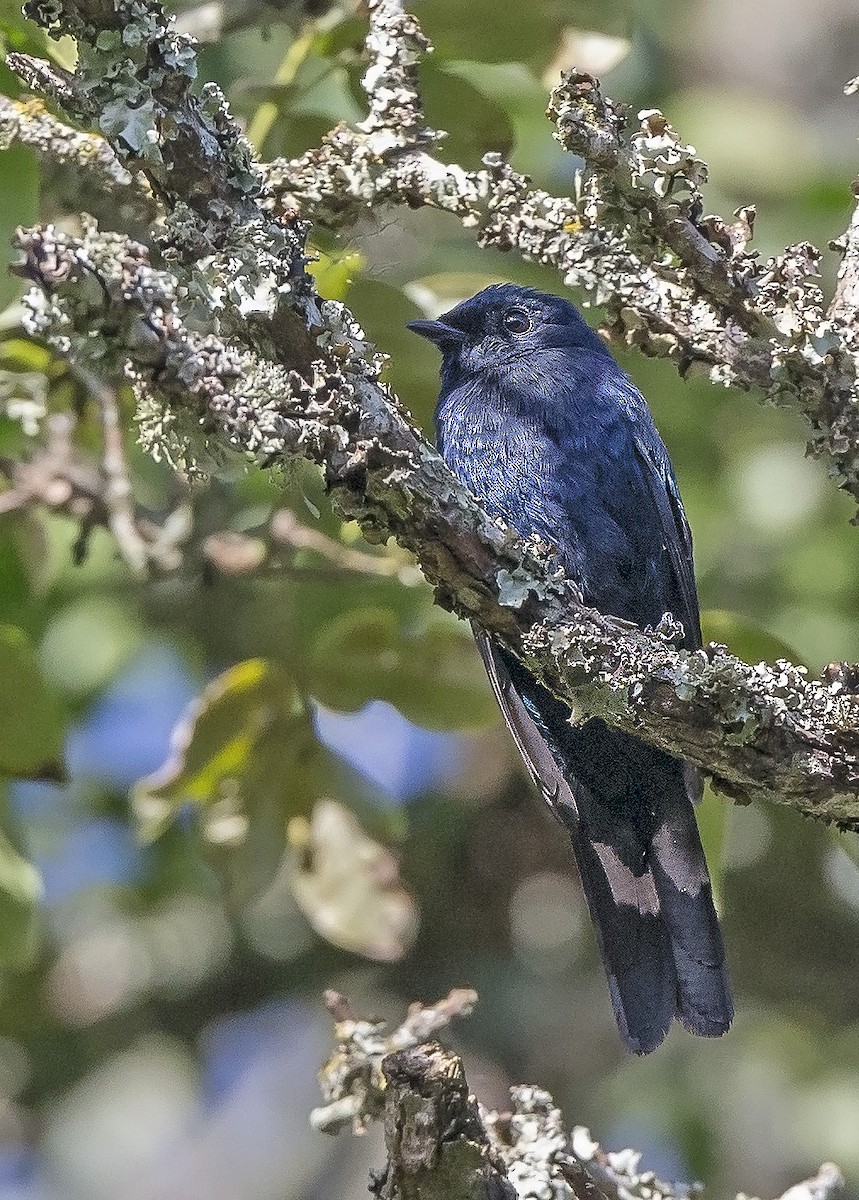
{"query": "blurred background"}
(293, 777)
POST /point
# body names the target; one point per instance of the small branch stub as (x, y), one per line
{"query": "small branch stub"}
(443, 1145)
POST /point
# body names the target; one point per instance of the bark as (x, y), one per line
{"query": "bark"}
(230, 350)
(443, 1145)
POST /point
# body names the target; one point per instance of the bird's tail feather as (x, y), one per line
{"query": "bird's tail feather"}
(628, 810)
(633, 942)
(682, 883)
(657, 930)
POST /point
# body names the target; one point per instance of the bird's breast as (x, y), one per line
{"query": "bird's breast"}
(521, 471)
(572, 484)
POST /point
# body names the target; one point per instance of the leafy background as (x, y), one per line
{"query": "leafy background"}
(171, 912)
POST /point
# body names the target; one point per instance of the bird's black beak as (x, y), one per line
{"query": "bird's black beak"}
(438, 333)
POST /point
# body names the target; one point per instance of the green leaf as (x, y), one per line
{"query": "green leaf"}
(748, 641)
(473, 121)
(334, 272)
(19, 205)
(31, 717)
(246, 756)
(431, 673)
(20, 893)
(87, 643)
(19, 34)
(214, 744)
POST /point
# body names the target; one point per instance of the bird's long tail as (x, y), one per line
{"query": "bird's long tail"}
(628, 809)
(649, 895)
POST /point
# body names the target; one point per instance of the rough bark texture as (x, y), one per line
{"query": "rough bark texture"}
(229, 349)
(443, 1145)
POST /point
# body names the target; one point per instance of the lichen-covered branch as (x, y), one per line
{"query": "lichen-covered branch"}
(29, 123)
(758, 730)
(673, 282)
(228, 348)
(442, 1144)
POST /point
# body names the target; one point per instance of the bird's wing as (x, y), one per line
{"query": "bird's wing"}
(545, 772)
(623, 903)
(662, 486)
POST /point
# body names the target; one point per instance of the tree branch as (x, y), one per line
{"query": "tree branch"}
(443, 1145)
(758, 730)
(231, 348)
(674, 283)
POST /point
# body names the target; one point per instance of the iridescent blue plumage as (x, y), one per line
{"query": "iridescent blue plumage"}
(540, 422)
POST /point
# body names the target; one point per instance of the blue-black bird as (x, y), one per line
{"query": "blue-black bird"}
(537, 419)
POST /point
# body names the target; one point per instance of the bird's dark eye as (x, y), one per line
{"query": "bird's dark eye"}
(517, 320)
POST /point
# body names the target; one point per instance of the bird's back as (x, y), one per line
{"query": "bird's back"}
(570, 472)
(585, 469)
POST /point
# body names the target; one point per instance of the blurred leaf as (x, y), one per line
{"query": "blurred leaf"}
(731, 126)
(347, 35)
(293, 132)
(20, 893)
(847, 842)
(216, 746)
(588, 50)
(308, 95)
(267, 113)
(413, 365)
(432, 675)
(713, 815)
(473, 121)
(31, 718)
(334, 272)
(87, 643)
(20, 354)
(19, 205)
(348, 886)
(447, 288)
(745, 639)
(245, 753)
(19, 34)
(488, 31)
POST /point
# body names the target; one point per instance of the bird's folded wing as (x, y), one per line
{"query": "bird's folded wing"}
(543, 769)
(677, 537)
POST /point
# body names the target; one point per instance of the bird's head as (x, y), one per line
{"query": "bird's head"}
(508, 328)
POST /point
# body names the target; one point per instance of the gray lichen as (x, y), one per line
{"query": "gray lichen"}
(230, 351)
(443, 1144)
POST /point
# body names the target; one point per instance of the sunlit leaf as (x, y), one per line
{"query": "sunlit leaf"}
(748, 641)
(220, 748)
(31, 717)
(334, 273)
(432, 675)
(348, 885)
(19, 34)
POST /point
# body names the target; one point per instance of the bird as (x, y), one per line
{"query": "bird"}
(537, 419)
